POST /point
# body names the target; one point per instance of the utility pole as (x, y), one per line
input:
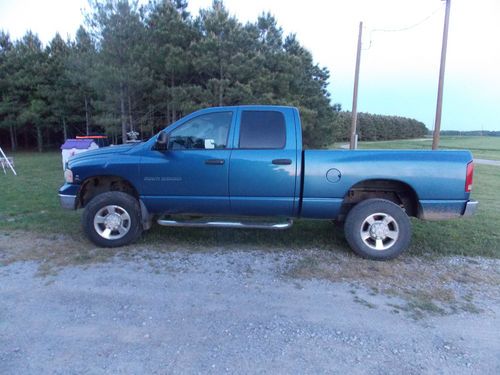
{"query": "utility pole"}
(353, 143)
(439, 105)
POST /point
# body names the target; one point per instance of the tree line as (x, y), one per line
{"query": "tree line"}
(372, 127)
(140, 68)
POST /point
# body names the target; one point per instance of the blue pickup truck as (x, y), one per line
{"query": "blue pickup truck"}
(245, 167)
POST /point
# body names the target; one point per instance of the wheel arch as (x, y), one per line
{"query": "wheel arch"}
(95, 185)
(393, 190)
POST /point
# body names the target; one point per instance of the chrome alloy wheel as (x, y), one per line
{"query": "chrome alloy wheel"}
(379, 231)
(112, 222)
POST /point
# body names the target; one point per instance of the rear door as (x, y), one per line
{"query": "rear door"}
(263, 166)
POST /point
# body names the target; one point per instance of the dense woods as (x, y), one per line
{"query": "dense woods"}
(141, 68)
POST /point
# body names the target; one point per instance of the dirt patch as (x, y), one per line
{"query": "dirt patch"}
(51, 252)
(487, 162)
(436, 286)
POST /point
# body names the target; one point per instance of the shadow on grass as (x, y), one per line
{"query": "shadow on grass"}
(53, 252)
(304, 234)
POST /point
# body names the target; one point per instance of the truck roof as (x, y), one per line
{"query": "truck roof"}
(246, 106)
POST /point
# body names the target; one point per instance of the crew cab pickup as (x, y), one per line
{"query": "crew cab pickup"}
(241, 166)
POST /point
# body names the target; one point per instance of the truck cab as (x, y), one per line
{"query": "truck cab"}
(233, 161)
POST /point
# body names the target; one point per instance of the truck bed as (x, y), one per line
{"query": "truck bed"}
(436, 178)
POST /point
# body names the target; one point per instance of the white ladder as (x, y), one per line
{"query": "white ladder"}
(4, 160)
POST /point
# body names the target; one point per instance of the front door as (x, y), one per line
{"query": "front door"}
(191, 176)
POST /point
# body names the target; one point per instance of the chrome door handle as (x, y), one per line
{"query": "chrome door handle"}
(214, 161)
(282, 161)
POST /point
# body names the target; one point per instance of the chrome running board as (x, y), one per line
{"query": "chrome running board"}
(225, 224)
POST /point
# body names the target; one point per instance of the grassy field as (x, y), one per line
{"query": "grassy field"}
(481, 147)
(29, 202)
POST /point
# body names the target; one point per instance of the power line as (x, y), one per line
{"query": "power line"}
(406, 28)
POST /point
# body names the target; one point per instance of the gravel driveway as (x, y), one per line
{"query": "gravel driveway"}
(147, 310)
(487, 162)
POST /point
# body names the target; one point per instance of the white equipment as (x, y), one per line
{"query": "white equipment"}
(76, 146)
(4, 160)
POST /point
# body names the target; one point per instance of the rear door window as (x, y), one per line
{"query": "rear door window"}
(262, 130)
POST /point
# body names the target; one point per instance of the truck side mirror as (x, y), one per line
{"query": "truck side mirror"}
(161, 141)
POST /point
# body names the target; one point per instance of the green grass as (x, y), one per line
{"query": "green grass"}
(477, 235)
(481, 147)
(29, 202)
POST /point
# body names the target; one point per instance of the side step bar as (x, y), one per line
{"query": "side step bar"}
(224, 224)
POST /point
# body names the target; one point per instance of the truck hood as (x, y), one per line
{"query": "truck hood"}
(109, 150)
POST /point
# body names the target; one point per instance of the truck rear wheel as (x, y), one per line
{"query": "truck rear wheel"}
(377, 229)
(112, 219)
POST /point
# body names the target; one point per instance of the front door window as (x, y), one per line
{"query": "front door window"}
(208, 131)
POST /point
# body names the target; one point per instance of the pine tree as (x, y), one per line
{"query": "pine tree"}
(169, 35)
(215, 52)
(29, 86)
(81, 73)
(120, 37)
(7, 104)
(60, 89)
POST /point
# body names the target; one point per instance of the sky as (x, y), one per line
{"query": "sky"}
(399, 69)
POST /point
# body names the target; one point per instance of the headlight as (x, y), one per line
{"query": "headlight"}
(68, 176)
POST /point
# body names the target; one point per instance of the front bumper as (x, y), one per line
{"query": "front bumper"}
(68, 196)
(68, 202)
(470, 208)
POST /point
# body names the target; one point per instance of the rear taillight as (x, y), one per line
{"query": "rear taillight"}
(468, 177)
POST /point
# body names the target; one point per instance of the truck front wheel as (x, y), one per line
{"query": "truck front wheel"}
(377, 229)
(112, 219)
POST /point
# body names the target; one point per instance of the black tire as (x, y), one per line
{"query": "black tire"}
(378, 229)
(122, 205)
